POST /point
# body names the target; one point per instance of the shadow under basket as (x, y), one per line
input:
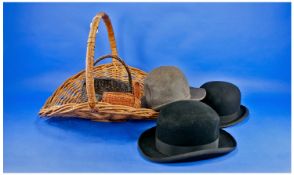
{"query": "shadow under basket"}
(67, 100)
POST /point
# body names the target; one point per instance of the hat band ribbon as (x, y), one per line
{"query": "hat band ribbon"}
(169, 149)
(231, 117)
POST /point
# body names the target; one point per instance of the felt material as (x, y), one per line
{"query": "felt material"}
(148, 149)
(197, 93)
(225, 99)
(186, 123)
(165, 84)
(241, 115)
(169, 149)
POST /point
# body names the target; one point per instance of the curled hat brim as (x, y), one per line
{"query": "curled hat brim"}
(147, 148)
(197, 93)
(241, 115)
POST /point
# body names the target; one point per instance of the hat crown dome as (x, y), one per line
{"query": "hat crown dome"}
(165, 84)
(223, 97)
(187, 123)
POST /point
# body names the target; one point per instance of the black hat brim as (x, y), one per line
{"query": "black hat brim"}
(147, 148)
(242, 114)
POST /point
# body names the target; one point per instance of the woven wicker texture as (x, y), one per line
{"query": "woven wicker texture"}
(123, 98)
(67, 100)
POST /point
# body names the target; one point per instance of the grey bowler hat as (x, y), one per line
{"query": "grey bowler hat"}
(167, 84)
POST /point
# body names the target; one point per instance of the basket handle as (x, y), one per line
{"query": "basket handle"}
(91, 52)
(93, 32)
(90, 80)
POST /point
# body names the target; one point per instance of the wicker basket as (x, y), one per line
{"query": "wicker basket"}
(130, 98)
(66, 101)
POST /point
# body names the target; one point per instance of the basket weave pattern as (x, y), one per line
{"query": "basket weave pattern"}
(66, 101)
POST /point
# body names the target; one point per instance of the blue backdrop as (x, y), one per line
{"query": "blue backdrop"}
(244, 43)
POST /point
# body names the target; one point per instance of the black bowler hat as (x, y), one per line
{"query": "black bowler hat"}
(186, 130)
(225, 99)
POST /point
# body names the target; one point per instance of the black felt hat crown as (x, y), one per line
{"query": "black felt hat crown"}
(186, 130)
(225, 99)
(187, 124)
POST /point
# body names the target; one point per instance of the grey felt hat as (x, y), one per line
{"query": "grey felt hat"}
(167, 84)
